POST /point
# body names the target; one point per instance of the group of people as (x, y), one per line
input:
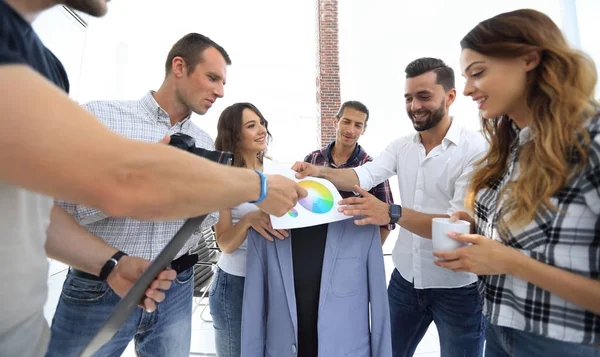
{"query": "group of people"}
(98, 188)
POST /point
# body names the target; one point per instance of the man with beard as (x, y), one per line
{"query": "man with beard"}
(433, 168)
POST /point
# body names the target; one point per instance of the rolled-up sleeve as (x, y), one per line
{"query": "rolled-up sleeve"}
(82, 214)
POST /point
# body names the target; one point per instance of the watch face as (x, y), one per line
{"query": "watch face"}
(395, 213)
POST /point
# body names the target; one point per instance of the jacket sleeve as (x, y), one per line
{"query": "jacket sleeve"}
(253, 305)
(381, 340)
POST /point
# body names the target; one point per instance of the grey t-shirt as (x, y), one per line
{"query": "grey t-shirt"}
(24, 218)
(24, 215)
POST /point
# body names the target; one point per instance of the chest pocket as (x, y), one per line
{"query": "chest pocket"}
(349, 276)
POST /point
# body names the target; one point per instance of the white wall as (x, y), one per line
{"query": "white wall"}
(271, 44)
(589, 27)
(66, 39)
(378, 38)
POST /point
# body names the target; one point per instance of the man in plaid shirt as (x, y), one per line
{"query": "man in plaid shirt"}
(350, 123)
(196, 66)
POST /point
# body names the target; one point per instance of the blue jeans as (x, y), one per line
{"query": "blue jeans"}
(456, 313)
(85, 304)
(225, 299)
(508, 342)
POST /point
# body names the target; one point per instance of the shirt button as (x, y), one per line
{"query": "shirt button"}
(294, 349)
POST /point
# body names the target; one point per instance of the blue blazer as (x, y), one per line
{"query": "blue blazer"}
(353, 276)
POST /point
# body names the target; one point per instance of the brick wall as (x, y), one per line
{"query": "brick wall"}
(328, 69)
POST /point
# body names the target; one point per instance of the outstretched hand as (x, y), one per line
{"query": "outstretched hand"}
(374, 211)
(304, 169)
(282, 195)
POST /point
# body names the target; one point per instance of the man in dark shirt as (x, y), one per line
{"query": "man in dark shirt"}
(308, 244)
(350, 123)
(24, 331)
(50, 147)
(20, 45)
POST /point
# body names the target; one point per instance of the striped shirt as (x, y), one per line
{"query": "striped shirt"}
(140, 120)
(568, 238)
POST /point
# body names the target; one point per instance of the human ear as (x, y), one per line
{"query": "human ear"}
(532, 60)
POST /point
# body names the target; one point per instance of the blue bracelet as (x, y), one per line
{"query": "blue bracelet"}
(263, 187)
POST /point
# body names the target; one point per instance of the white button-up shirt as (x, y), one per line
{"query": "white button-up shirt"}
(434, 183)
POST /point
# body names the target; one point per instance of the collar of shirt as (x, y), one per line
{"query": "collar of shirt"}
(452, 135)
(151, 106)
(351, 162)
(524, 135)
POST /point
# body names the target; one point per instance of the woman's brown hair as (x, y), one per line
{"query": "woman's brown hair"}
(560, 98)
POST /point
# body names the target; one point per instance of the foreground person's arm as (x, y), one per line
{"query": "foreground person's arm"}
(72, 244)
(50, 145)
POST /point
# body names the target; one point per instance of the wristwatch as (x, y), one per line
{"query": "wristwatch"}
(395, 212)
(110, 265)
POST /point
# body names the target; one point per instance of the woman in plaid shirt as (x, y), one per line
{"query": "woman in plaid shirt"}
(536, 193)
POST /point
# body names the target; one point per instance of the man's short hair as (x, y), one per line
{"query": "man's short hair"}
(353, 104)
(190, 47)
(445, 74)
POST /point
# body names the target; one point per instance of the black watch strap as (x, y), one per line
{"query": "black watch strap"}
(110, 265)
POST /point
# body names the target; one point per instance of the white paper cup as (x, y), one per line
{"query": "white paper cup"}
(439, 233)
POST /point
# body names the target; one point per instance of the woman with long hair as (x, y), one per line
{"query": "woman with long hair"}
(242, 130)
(536, 193)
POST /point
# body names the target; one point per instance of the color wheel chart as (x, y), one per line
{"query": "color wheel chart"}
(319, 199)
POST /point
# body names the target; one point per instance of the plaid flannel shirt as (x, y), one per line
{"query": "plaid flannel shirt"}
(568, 238)
(359, 157)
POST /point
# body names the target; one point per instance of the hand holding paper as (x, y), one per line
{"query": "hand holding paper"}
(261, 222)
(374, 211)
(320, 206)
(304, 169)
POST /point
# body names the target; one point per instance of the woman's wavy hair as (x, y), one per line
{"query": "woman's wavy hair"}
(229, 131)
(560, 97)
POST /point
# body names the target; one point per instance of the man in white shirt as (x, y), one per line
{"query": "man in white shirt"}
(433, 168)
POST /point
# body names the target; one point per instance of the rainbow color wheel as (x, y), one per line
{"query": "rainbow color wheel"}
(293, 213)
(319, 199)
